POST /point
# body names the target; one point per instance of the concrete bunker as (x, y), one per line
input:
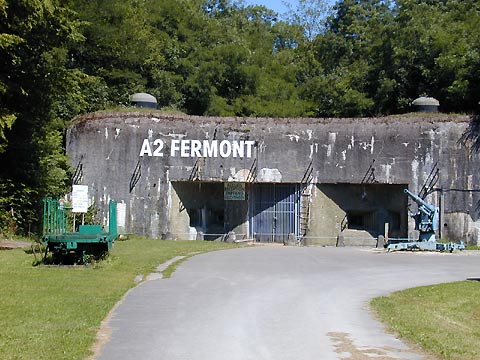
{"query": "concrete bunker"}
(212, 210)
(357, 211)
(202, 212)
(271, 212)
(187, 177)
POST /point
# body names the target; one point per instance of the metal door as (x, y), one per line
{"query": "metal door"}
(273, 212)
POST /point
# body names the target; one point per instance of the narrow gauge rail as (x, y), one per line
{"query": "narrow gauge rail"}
(75, 247)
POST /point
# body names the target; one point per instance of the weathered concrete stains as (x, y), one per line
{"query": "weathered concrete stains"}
(387, 171)
(352, 143)
(269, 175)
(340, 151)
(108, 156)
(293, 137)
(332, 137)
(309, 134)
(176, 136)
(242, 175)
(368, 146)
(414, 170)
(313, 150)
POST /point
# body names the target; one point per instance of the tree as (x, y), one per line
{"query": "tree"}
(347, 58)
(8, 42)
(310, 15)
(375, 57)
(35, 37)
(436, 52)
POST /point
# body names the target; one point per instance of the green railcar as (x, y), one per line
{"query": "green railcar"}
(91, 241)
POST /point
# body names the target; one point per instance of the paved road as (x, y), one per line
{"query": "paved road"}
(274, 303)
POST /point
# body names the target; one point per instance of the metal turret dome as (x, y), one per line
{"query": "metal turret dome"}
(426, 103)
(143, 100)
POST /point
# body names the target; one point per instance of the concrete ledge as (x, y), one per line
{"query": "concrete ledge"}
(358, 238)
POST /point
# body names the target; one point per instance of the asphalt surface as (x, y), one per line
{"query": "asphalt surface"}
(275, 303)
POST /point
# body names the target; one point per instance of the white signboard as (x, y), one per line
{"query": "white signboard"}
(234, 191)
(79, 198)
(121, 216)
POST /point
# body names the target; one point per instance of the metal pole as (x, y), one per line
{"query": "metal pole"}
(386, 232)
(442, 213)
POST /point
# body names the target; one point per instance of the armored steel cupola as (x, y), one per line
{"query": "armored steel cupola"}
(426, 103)
(143, 100)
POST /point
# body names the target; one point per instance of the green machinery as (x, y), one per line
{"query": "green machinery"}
(75, 247)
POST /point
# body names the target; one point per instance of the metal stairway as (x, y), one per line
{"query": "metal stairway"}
(430, 182)
(306, 186)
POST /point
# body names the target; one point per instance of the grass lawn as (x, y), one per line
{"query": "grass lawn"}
(55, 312)
(443, 319)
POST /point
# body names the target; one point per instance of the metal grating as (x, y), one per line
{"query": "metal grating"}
(274, 212)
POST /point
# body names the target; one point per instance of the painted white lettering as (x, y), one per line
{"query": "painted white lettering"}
(238, 148)
(174, 147)
(250, 145)
(146, 149)
(185, 148)
(158, 150)
(195, 148)
(199, 148)
(225, 148)
(210, 149)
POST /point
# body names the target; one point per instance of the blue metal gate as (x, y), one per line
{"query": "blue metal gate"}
(273, 211)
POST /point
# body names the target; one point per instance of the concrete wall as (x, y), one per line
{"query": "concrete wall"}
(325, 220)
(402, 151)
(372, 205)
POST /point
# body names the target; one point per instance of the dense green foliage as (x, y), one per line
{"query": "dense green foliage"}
(61, 58)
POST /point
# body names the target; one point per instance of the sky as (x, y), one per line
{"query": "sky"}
(279, 5)
(276, 5)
